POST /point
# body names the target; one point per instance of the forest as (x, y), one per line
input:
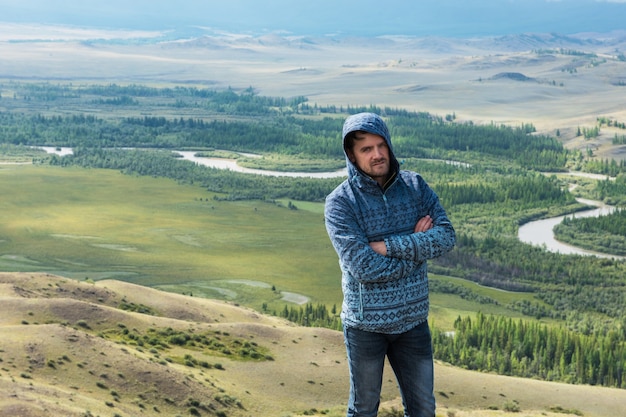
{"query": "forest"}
(531, 350)
(491, 179)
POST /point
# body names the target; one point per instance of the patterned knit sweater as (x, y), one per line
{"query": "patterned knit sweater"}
(385, 294)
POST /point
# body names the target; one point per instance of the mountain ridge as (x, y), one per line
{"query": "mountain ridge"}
(614, 40)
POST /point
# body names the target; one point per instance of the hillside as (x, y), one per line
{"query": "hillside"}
(111, 348)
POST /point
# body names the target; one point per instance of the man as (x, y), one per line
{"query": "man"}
(385, 223)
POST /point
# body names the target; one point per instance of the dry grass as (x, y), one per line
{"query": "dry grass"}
(57, 359)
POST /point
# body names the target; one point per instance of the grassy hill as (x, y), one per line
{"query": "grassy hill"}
(112, 348)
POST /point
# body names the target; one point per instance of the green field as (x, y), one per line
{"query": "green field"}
(96, 224)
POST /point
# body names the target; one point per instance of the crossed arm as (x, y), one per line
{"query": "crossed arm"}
(422, 225)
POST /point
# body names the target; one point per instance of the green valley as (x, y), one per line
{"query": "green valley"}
(122, 206)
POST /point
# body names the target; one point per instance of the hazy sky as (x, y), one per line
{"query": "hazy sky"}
(348, 17)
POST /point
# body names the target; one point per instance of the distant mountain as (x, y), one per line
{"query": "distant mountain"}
(607, 42)
(451, 18)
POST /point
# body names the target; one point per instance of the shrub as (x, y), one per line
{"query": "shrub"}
(83, 324)
(559, 409)
(511, 407)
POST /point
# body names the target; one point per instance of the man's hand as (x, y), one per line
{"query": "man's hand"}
(422, 225)
(379, 247)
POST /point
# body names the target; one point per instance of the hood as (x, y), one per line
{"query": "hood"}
(371, 123)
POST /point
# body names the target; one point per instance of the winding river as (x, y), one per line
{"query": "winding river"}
(231, 164)
(540, 232)
(537, 233)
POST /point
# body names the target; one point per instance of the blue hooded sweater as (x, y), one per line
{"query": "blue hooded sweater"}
(384, 294)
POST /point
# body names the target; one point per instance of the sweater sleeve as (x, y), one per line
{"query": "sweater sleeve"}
(355, 254)
(421, 246)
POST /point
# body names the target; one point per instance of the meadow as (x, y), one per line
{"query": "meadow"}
(92, 224)
(96, 224)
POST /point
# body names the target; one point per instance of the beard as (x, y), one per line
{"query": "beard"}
(377, 170)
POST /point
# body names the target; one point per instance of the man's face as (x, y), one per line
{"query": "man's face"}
(371, 154)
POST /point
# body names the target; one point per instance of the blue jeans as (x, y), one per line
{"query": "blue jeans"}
(411, 357)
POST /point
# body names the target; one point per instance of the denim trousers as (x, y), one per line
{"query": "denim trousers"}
(411, 357)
